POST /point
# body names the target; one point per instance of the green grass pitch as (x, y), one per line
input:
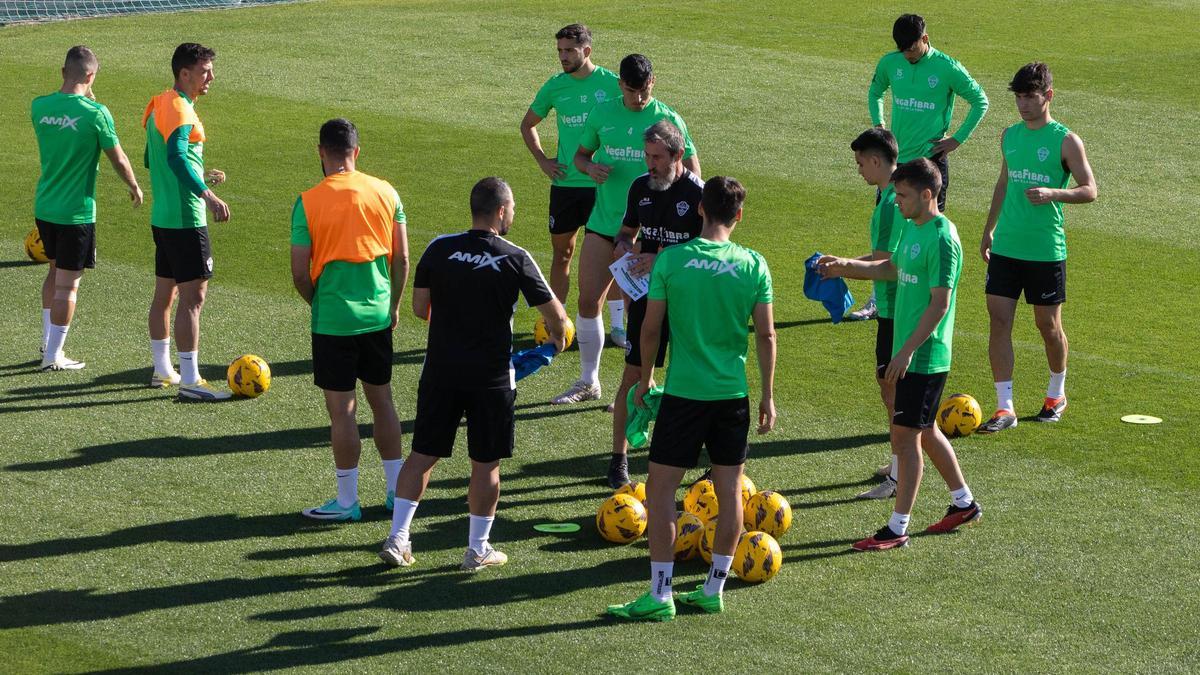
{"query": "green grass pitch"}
(142, 533)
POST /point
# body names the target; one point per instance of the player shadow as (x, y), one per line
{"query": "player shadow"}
(304, 366)
(125, 380)
(781, 325)
(5, 264)
(73, 405)
(174, 447)
(339, 646)
(804, 446)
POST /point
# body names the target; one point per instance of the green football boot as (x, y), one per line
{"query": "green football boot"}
(645, 608)
(713, 604)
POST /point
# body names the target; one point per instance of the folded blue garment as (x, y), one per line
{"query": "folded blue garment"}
(833, 293)
(529, 361)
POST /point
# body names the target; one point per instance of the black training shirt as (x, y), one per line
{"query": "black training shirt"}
(669, 217)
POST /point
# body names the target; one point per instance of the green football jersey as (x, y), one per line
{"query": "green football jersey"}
(929, 256)
(348, 298)
(71, 131)
(572, 100)
(1033, 158)
(174, 135)
(923, 100)
(711, 290)
(886, 227)
(615, 133)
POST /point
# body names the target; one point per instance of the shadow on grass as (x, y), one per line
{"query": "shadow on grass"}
(805, 446)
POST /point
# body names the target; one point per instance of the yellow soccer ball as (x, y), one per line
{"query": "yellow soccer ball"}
(701, 500)
(621, 519)
(634, 489)
(757, 557)
(748, 489)
(688, 530)
(959, 415)
(541, 335)
(706, 540)
(768, 511)
(34, 248)
(249, 376)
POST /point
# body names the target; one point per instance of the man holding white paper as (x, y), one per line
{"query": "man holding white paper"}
(663, 209)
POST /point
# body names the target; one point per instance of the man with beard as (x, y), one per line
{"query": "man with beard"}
(662, 210)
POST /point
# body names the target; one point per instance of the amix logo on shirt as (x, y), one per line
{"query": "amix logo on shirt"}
(480, 260)
(718, 267)
(63, 122)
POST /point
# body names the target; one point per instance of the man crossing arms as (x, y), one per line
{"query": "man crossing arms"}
(350, 262)
(182, 254)
(72, 130)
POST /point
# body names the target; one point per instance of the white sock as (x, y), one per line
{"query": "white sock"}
(660, 580)
(715, 583)
(347, 482)
(895, 467)
(589, 335)
(54, 342)
(45, 327)
(391, 469)
(1004, 395)
(402, 516)
(189, 367)
(481, 528)
(1058, 385)
(616, 313)
(962, 497)
(160, 350)
(898, 523)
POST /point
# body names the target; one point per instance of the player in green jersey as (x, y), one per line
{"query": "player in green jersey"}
(875, 153)
(183, 261)
(611, 153)
(72, 130)
(708, 288)
(926, 265)
(571, 94)
(1024, 243)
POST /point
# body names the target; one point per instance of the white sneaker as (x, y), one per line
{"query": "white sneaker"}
(578, 393)
(163, 381)
(884, 490)
(869, 311)
(473, 562)
(396, 555)
(620, 338)
(62, 363)
(202, 391)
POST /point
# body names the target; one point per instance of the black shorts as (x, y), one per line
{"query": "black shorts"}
(943, 164)
(71, 247)
(684, 425)
(491, 421)
(917, 398)
(634, 317)
(884, 329)
(182, 254)
(570, 208)
(1044, 283)
(340, 361)
(610, 238)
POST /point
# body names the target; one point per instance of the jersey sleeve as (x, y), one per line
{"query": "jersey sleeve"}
(533, 285)
(630, 219)
(543, 101)
(658, 279)
(964, 85)
(177, 147)
(421, 274)
(106, 130)
(885, 218)
(589, 138)
(879, 85)
(300, 234)
(764, 294)
(689, 148)
(398, 216)
(947, 264)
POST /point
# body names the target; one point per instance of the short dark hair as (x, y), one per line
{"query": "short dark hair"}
(80, 61)
(920, 173)
(488, 195)
(339, 135)
(907, 30)
(877, 141)
(577, 32)
(666, 133)
(1032, 77)
(722, 199)
(189, 54)
(636, 70)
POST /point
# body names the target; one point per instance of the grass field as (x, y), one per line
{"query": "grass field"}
(147, 534)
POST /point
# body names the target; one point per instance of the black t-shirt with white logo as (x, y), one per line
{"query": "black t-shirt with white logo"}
(669, 217)
(474, 279)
